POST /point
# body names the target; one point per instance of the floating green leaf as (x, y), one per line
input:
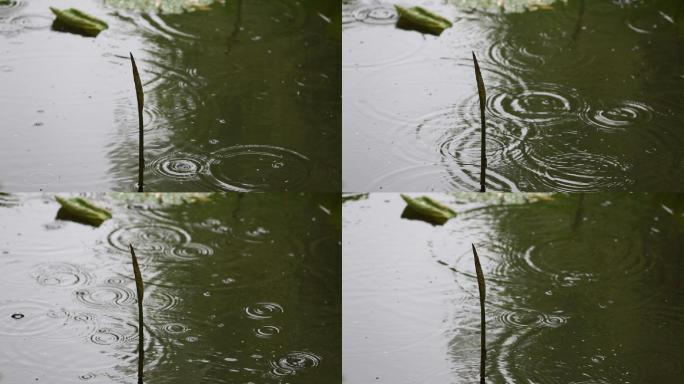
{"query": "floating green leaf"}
(421, 20)
(73, 20)
(427, 209)
(82, 211)
(346, 197)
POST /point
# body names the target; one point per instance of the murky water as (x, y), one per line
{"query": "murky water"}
(245, 96)
(239, 289)
(584, 97)
(579, 290)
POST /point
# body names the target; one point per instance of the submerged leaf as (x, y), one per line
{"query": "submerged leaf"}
(427, 209)
(82, 211)
(73, 20)
(421, 20)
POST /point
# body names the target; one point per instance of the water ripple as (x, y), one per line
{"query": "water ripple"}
(577, 171)
(30, 318)
(245, 168)
(174, 328)
(106, 297)
(60, 274)
(293, 362)
(619, 116)
(157, 239)
(267, 331)
(192, 251)
(541, 103)
(262, 311)
(180, 166)
(375, 14)
(440, 177)
(9, 5)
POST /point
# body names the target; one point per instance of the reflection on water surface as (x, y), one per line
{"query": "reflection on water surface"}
(580, 289)
(238, 288)
(583, 97)
(241, 96)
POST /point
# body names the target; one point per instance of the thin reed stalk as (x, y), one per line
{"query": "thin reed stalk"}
(483, 146)
(141, 144)
(483, 335)
(141, 324)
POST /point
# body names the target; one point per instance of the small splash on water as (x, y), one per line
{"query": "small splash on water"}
(180, 166)
(174, 328)
(267, 331)
(293, 362)
(619, 116)
(261, 311)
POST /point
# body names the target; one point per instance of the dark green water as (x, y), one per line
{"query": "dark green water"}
(239, 289)
(579, 290)
(585, 97)
(244, 96)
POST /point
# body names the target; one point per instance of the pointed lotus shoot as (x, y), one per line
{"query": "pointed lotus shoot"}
(483, 145)
(481, 288)
(140, 292)
(141, 101)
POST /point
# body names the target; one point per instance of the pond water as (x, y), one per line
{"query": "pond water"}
(586, 96)
(579, 290)
(243, 96)
(233, 293)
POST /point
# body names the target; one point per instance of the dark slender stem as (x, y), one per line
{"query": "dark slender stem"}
(141, 325)
(483, 140)
(483, 335)
(141, 145)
